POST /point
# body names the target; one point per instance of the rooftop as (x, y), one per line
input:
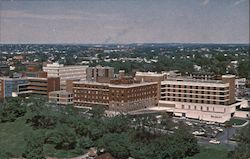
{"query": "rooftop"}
(116, 85)
(186, 79)
(154, 74)
(64, 92)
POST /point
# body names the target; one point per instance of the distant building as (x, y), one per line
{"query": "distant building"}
(240, 85)
(61, 97)
(204, 76)
(40, 86)
(4, 69)
(100, 74)
(9, 86)
(65, 72)
(208, 100)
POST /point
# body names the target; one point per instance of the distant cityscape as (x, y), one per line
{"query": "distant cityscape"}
(206, 86)
(196, 94)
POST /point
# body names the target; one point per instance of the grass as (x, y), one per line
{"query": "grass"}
(12, 137)
(236, 121)
(211, 152)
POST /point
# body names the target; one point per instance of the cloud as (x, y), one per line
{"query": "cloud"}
(205, 2)
(22, 14)
(238, 2)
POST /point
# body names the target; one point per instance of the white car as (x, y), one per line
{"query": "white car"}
(219, 129)
(189, 123)
(214, 141)
(197, 133)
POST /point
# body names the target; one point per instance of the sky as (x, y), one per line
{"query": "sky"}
(124, 21)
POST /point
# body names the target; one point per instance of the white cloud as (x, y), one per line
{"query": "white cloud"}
(205, 2)
(21, 14)
(238, 2)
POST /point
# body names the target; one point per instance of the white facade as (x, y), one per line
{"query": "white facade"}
(65, 72)
(206, 112)
(207, 100)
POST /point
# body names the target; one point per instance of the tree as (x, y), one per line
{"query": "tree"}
(116, 144)
(62, 136)
(34, 145)
(84, 143)
(97, 111)
(117, 124)
(242, 151)
(11, 109)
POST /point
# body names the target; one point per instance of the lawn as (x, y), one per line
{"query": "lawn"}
(211, 152)
(12, 137)
(236, 121)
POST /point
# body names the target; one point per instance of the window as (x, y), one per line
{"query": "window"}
(182, 106)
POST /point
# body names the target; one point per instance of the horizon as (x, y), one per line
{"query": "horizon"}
(124, 22)
(132, 43)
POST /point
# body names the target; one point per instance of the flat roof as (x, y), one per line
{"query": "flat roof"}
(153, 74)
(116, 85)
(61, 92)
(195, 83)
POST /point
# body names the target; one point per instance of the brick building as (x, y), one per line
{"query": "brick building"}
(119, 95)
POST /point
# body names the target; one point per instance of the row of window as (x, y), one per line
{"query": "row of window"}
(196, 96)
(197, 92)
(194, 101)
(194, 87)
(202, 108)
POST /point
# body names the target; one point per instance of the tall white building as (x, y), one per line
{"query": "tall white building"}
(65, 73)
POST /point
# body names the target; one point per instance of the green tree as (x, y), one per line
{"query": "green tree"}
(84, 143)
(62, 136)
(116, 144)
(242, 151)
(34, 145)
(97, 111)
(11, 109)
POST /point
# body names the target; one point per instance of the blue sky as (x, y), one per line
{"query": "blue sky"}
(124, 21)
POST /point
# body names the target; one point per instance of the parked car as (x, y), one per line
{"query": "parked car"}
(214, 141)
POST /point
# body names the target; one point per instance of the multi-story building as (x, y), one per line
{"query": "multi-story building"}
(208, 100)
(204, 76)
(4, 69)
(100, 74)
(119, 95)
(65, 72)
(152, 77)
(41, 86)
(9, 86)
(240, 85)
(61, 97)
